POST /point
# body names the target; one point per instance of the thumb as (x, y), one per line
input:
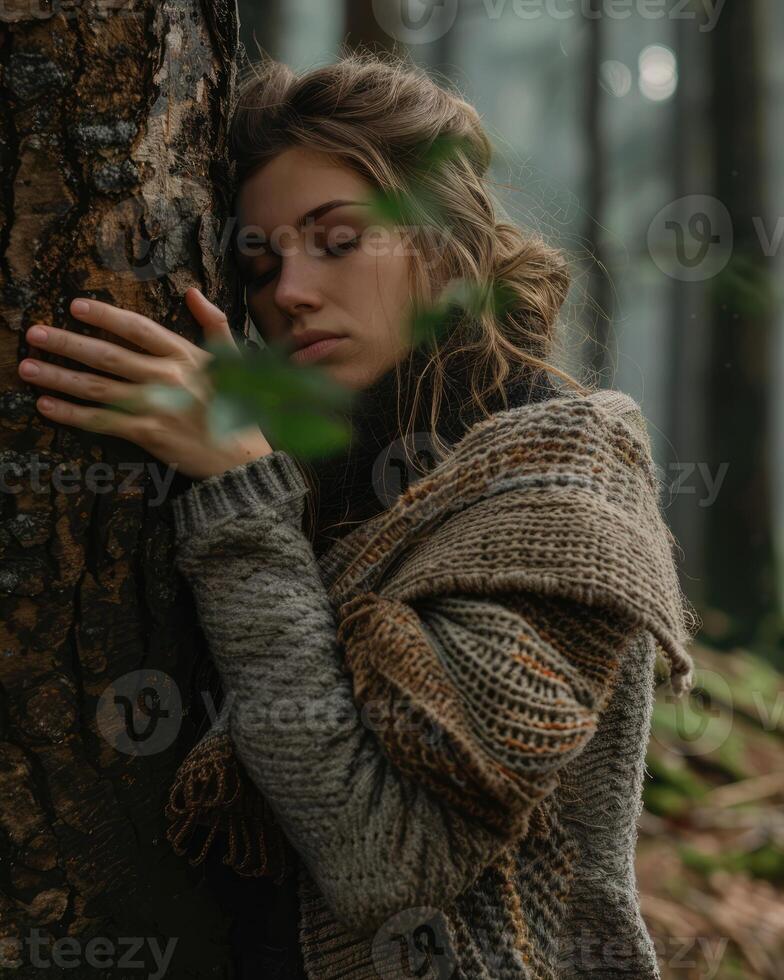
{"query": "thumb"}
(210, 318)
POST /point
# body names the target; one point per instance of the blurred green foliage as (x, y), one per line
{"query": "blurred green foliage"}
(765, 861)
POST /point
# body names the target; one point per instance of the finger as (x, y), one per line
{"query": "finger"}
(80, 383)
(209, 316)
(134, 428)
(101, 354)
(140, 330)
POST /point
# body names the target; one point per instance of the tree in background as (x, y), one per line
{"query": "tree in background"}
(601, 355)
(739, 540)
(362, 27)
(261, 25)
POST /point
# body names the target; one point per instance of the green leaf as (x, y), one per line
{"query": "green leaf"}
(306, 434)
(503, 299)
(298, 432)
(165, 397)
(418, 203)
(267, 380)
(471, 298)
(388, 208)
(291, 403)
(428, 324)
(445, 147)
(225, 415)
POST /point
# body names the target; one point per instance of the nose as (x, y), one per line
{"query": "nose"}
(296, 291)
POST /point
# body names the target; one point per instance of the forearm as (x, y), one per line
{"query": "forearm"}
(360, 826)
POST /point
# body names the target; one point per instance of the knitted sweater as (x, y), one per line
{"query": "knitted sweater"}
(440, 725)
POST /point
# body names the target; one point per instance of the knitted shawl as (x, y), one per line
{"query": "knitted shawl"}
(548, 514)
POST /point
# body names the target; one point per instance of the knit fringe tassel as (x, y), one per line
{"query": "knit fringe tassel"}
(681, 669)
(212, 791)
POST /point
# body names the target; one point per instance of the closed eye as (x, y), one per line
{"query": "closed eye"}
(336, 251)
(258, 281)
(342, 248)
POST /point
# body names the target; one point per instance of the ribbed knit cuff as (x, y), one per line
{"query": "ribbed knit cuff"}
(263, 482)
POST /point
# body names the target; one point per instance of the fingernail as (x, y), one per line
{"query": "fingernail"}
(46, 404)
(30, 369)
(80, 306)
(37, 333)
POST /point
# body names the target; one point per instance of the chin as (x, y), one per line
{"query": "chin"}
(348, 376)
(347, 371)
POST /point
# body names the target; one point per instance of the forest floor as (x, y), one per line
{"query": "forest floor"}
(710, 855)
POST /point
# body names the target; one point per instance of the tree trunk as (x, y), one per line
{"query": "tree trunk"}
(689, 331)
(740, 522)
(602, 353)
(362, 27)
(261, 27)
(114, 186)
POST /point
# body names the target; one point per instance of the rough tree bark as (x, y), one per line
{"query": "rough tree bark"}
(114, 182)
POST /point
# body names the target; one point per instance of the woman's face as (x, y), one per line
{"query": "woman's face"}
(336, 271)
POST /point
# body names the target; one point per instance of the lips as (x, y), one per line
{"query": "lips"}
(317, 349)
(308, 337)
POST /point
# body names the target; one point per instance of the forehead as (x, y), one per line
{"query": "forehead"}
(293, 183)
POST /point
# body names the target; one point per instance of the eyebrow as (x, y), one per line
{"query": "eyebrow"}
(323, 208)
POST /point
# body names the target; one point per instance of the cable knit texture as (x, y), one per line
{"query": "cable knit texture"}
(440, 725)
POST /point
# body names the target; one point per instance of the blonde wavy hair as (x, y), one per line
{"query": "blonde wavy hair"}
(381, 114)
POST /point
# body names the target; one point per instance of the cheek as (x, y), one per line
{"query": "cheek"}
(265, 316)
(395, 290)
(388, 310)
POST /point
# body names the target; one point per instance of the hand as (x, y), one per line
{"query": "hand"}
(177, 438)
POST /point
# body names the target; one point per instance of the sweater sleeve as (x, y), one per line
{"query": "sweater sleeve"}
(402, 746)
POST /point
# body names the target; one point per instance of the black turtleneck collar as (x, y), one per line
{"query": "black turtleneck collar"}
(363, 478)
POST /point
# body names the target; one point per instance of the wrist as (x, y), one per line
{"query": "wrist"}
(237, 451)
(272, 480)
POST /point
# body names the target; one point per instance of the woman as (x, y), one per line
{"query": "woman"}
(438, 675)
